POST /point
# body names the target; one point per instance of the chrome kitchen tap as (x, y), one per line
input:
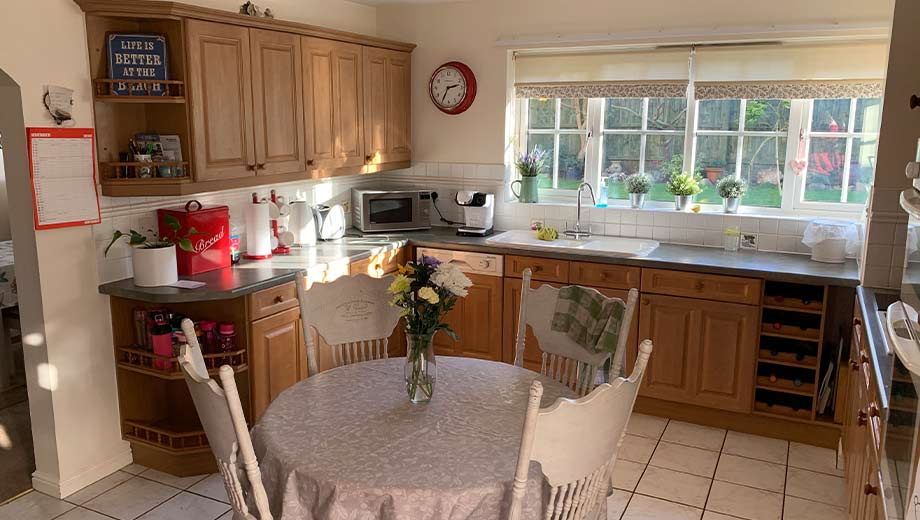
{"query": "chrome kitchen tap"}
(577, 233)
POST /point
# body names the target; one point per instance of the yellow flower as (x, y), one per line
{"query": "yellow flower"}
(406, 269)
(399, 285)
(429, 295)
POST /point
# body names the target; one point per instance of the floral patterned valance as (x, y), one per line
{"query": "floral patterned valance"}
(606, 89)
(816, 89)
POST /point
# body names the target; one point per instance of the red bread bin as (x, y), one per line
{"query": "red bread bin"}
(210, 241)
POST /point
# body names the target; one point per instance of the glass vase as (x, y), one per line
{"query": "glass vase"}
(421, 368)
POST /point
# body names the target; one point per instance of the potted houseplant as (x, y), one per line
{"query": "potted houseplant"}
(731, 190)
(638, 185)
(154, 259)
(426, 291)
(683, 186)
(529, 165)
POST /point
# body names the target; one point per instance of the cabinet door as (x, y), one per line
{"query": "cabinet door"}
(220, 98)
(387, 136)
(673, 326)
(477, 320)
(724, 373)
(333, 103)
(278, 357)
(277, 92)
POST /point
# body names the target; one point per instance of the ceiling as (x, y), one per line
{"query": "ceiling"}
(387, 2)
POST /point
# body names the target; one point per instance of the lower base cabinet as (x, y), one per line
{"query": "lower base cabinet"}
(704, 351)
(477, 320)
(278, 357)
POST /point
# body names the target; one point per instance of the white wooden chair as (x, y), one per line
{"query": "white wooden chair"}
(576, 443)
(224, 423)
(352, 314)
(563, 359)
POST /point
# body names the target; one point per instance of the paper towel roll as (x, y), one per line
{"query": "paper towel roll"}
(301, 223)
(258, 231)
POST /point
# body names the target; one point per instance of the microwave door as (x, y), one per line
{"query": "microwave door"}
(391, 212)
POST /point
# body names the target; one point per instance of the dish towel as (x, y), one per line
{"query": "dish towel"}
(589, 318)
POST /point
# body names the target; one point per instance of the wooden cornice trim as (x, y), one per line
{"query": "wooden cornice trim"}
(178, 10)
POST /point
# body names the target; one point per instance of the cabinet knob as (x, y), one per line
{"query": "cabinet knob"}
(644, 301)
(869, 489)
(861, 418)
(914, 101)
(251, 167)
(279, 299)
(260, 166)
(863, 357)
(310, 162)
(699, 285)
(854, 366)
(873, 410)
(368, 158)
(857, 321)
(537, 268)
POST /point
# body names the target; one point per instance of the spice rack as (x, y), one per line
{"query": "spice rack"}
(789, 358)
(164, 367)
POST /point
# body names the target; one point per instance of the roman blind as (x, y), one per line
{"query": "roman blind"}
(791, 71)
(585, 74)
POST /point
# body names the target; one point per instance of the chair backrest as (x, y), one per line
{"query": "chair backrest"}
(224, 423)
(352, 314)
(564, 360)
(576, 443)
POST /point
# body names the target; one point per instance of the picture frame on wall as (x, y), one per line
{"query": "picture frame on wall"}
(137, 59)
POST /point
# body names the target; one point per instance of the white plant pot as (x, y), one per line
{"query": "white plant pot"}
(155, 267)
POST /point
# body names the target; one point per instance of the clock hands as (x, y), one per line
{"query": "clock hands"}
(447, 89)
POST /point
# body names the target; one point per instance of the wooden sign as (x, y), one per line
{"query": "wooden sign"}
(137, 59)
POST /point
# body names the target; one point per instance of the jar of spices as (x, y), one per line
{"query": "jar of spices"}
(210, 344)
(227, 339)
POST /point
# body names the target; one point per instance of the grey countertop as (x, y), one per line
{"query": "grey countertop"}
(255, 275)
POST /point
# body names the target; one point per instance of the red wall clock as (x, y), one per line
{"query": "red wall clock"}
(452, 88)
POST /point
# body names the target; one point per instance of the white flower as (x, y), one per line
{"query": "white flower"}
(429, 295)
(450, 277)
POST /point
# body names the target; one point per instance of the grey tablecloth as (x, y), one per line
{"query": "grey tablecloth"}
(347, 444)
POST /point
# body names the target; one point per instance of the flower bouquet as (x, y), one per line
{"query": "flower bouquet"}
(426, 291)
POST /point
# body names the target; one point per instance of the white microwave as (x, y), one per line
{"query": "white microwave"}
(376, 211)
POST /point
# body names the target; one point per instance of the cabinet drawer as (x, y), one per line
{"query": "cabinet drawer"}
(272, 301)
(380, 264)
(604, 275)
(708, 286)
(544, 269)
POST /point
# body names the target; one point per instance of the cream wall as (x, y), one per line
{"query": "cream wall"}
(467, 31)
(75, 414)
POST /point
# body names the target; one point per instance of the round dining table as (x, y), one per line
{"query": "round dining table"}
(348, 444)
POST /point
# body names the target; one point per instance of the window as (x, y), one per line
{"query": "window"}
(605, 139)
(842, 143)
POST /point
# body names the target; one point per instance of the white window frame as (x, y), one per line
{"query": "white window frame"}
(556, 132)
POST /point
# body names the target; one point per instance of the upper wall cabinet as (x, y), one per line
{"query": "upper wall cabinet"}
(248, 101)
(387, 104)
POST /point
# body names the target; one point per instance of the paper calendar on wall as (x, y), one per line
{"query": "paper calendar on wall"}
(62, 165)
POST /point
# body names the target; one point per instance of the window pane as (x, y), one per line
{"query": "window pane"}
(571, 161)
(767, 115)
(862, 169)
(715, 158)
(762, 167)
(868, 115)
(660, 150)
(667, 113)
(623, 114)
(542, 113)
(621, 155)
(830, 115)
(825, 169)
(573, 114)
(719, 114)
(543, 142)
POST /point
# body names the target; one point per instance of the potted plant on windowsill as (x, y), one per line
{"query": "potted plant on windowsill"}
(683, 186)
(638, 185)
(731, 190)
(154, 260)
(529, 165)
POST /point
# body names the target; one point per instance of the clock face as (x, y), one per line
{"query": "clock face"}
(448, 87)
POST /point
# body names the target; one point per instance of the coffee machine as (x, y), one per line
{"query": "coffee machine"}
(478, 213)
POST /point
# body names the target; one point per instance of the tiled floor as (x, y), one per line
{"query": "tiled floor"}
(676, 470)
(667, 470)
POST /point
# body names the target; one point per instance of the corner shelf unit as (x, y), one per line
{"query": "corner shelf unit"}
(789, 360)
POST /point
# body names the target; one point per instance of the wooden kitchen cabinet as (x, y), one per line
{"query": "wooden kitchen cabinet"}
(220, 95)
(333, 101)
(277, 93)
(477, 320)
(704, 351)
(387, 105)
(277, 356)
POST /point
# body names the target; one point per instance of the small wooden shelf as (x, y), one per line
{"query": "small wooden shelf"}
(773, 333)
(164, 367)
(789, 309)
(782, 411)
(128, 172)
(173, 91)
(786, 386)
(166, 437)
(792, 304)
(787, 359)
